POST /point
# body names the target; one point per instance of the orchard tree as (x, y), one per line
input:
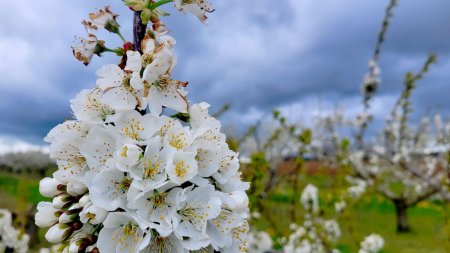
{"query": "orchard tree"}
(405, 164)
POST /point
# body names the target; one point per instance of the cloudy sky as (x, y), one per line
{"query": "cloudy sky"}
(298, 55)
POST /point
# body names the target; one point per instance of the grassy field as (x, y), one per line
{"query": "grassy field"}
(371, 215)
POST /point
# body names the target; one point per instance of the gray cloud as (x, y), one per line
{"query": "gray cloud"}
(255, 55)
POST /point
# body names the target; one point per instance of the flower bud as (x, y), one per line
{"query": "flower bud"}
(47, 215)
(48, 187)
(68, 217)
(58, 233)
(76, 188)
(76, 225)
(84, 200)
(62, 201)
(75, 247)
(82, 244)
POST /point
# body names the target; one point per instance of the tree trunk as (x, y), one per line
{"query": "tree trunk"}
(401, 210)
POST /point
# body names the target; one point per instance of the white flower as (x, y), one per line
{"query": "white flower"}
(178, 137)
(239, 239)
(201, 205)
(220, 228)
(164, 91)
(103, 18)
(88, 107)
(332, 229)
(372, 244)
(46, 215)
(93, 214)
(87, 47)
(228, 165)
(168, 93)
(99, 147)
(65, 142)
(109, 189)
(165, 244)
(122, 233)
(151, 172)
(357, 190)
(207, 133)
(162, 64)
(123, 89)
(310, 198)
(136, 128)
(181, 166)
(157, 208)
(259, 242)
(128, 157)
(195, 7)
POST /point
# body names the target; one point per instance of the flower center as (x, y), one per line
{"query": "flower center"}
(162, 83)
(132, 129)
(151, 168)
(124, 151)
(128, 231)
(181, 169)
(159, 199)
(146, 60)
(161, 244)
(178, 141)
(126, 82)
(124, 184)
(90, 216)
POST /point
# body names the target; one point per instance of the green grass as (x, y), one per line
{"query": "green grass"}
(371, 214)
(20, 186)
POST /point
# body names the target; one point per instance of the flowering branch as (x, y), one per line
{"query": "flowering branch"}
(131, 179)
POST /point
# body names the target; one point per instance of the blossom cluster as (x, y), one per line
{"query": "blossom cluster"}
(132, 179)
(11, 239)
(317, 234)
(372, 244)
(259, 242)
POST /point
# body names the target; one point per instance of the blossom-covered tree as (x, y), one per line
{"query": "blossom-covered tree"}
(406, 164)
(140, 169)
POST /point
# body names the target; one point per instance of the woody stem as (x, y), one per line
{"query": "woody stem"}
(138, 31)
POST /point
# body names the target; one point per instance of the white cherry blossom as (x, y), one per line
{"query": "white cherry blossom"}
(122, 234)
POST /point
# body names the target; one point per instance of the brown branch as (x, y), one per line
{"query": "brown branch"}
(138, 31)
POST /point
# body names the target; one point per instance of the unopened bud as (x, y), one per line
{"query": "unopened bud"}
(58, 233)
(48, 187)
(47, 215)
(62, 201)
(84, 200)
(77, 225)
